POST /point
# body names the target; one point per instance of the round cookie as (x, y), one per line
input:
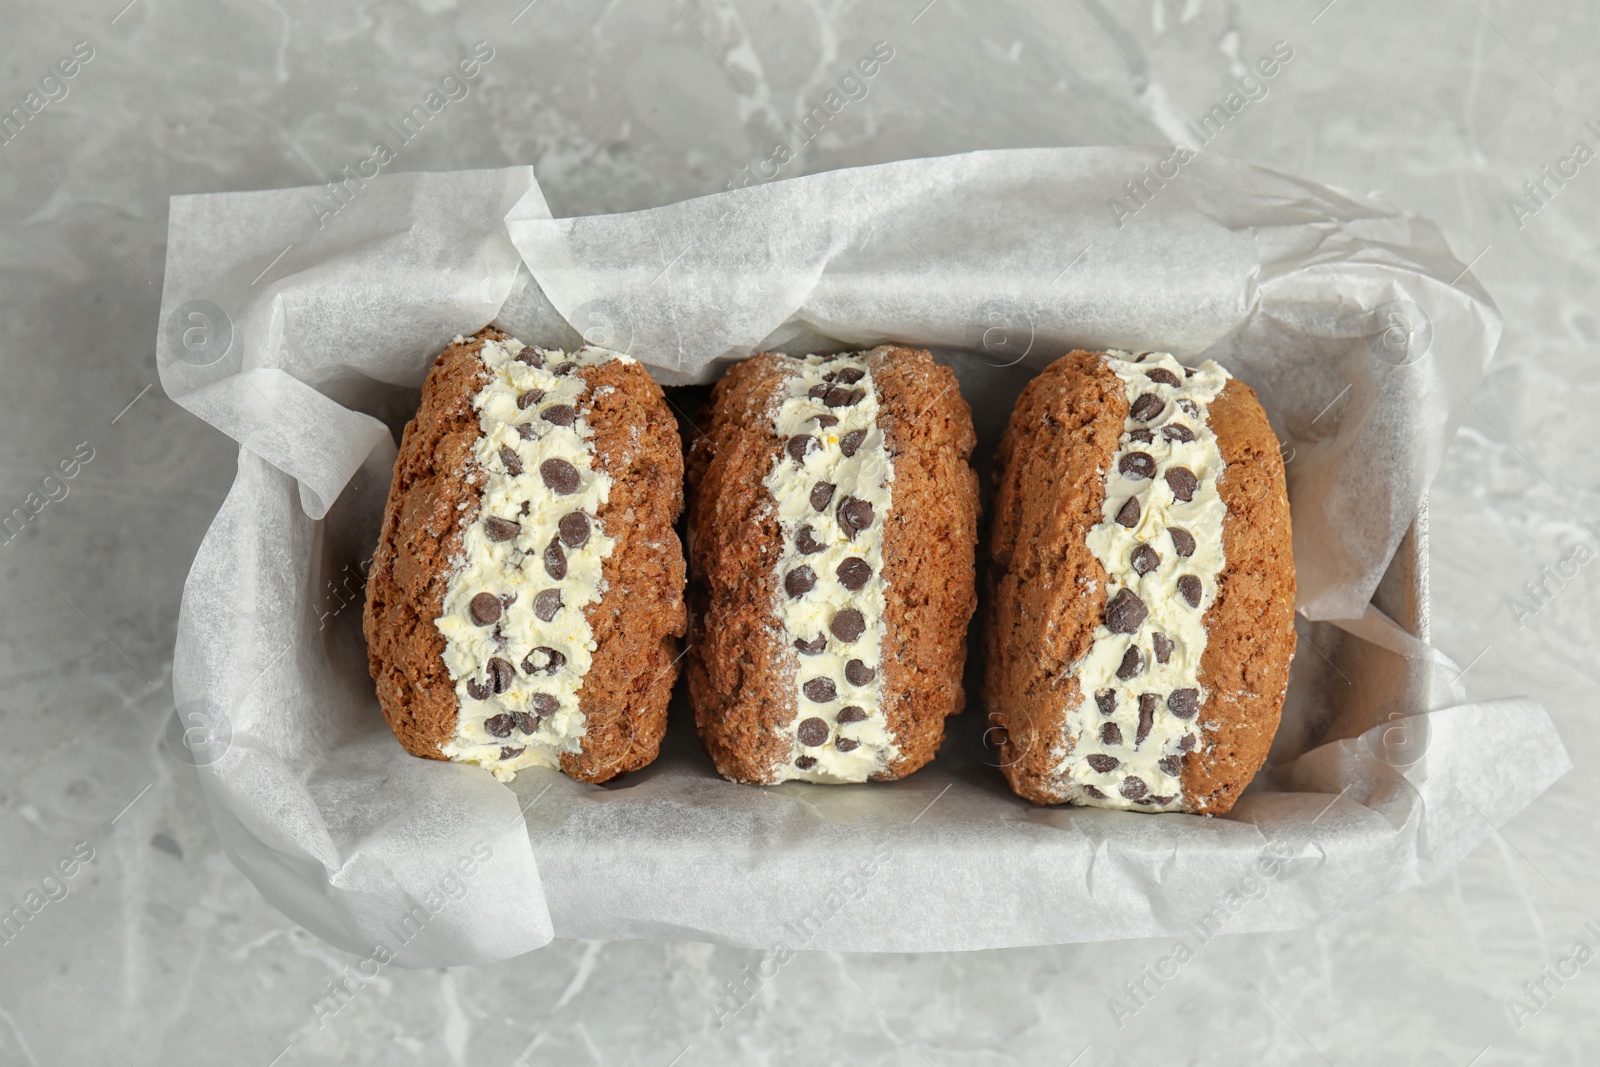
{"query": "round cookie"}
(1141, 619)
(832, 533)
(527, 587)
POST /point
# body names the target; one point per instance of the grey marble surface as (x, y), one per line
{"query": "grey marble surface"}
(159, 951)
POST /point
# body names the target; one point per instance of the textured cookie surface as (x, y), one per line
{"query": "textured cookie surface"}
(1140, 627)
(832, 533)
(538, 517)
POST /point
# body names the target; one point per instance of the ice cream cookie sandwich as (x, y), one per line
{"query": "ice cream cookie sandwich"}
(526, 593)
(832, 533)
(1141, 618)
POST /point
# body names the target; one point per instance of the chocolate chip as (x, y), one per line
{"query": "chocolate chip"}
(1177, 431)
(812, 732)
(526, 505)
(800, 446)
(805, 540)
(852, 714)
(508, 456)
(824, 420)
(530, 398)
(560, 476)
(559, 414)
(564, 368)
(821, 494)
(1162, 375)
(1132, 664)
(1144, 437)
(1170, 765)
(532, 355)
(1145, 559)
(1189, 586)
(1163, 648)
(820, 690)
(858, 673)
(1147, 407)
(502, 675)
(1103, 763)
(500, 639)
(1129, 515)
(1126, 612)
(544, 704)
(506, 600)
(846, 744)
(805, 763)
(1190, 406)
(1147, 716)
(849, 375)
(525, 431)
(811, 647)
(799, 581)
(1156, 800)
(1092, 791)
(1138, 465)
(525, 722)
(852, 441)
(1183, 541)
(1188, 372)
(546, 604)
(847, 625)
(478, 690)
(511, 751)
(574, 528)
(840, 397)
(543, 660)
(817, 392)
(500, 529)
(555, 559)
(854, 573)
(1110, 734)
(1186, 743)
(500, 725)
(1133, 788)
(855, 514)
(1184, 702)
(485, 609)
(1182, 482)
(1106, 701)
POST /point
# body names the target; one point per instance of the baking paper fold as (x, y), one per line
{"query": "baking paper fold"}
(304, 334)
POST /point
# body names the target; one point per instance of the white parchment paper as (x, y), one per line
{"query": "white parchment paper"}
(304, 336)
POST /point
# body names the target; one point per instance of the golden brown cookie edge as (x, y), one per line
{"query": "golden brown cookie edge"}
(636, 622)
(1046, 588)
(1250, 635)
(432, 497)
(741, 676)
(929, 549)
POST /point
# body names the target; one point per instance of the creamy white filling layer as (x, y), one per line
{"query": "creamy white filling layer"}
(517, 644)
(1160, 541)
(831, 484)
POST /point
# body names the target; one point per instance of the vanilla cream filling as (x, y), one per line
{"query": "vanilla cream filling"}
(1138, 716)
(517, 644)
(829, 407)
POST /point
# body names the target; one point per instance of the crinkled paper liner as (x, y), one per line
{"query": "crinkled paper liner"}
(304, 337)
